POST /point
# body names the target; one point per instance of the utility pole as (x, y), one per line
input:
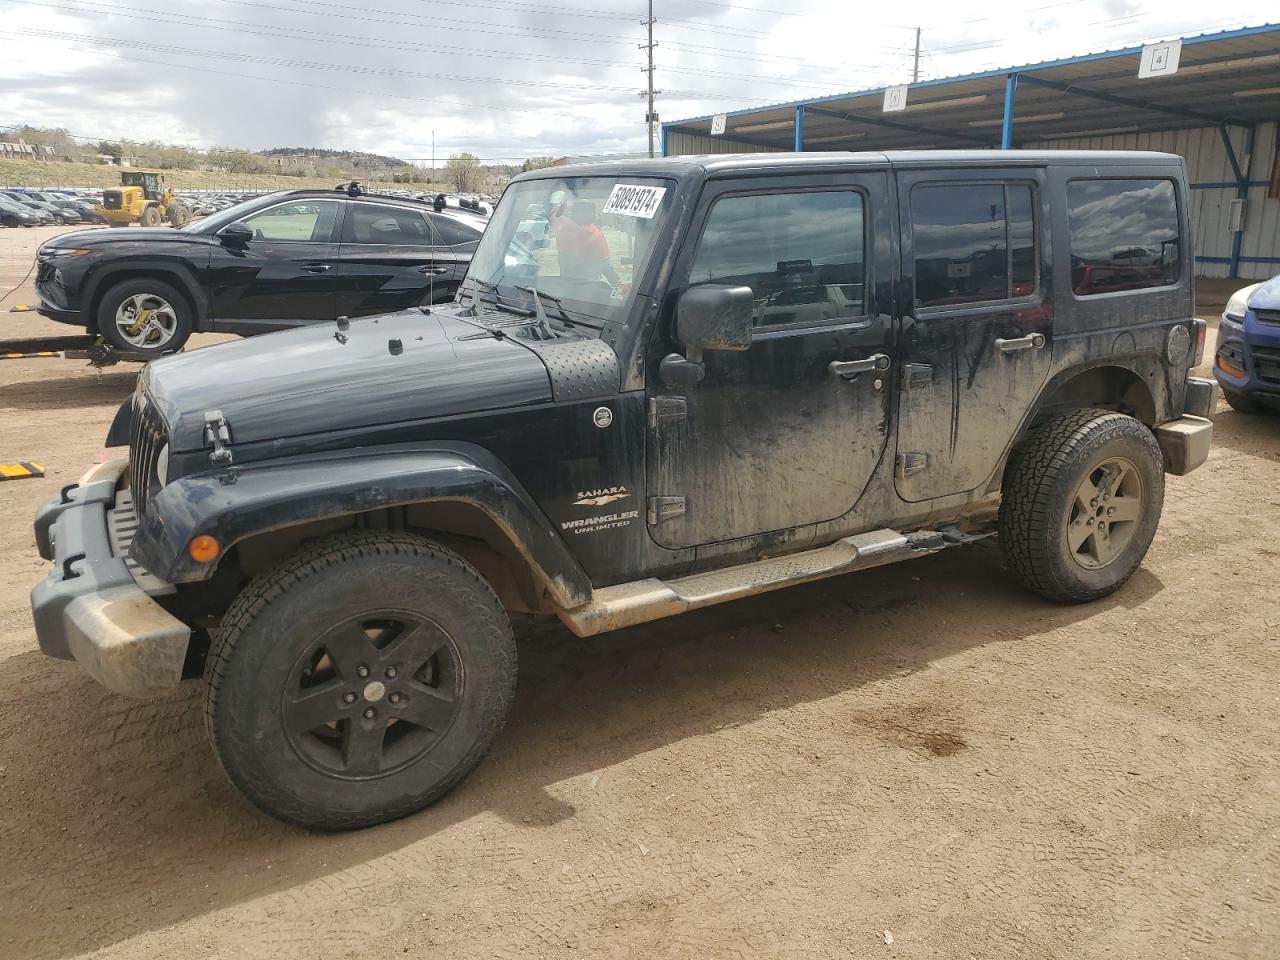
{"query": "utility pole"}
(649, 117)
(915, 68)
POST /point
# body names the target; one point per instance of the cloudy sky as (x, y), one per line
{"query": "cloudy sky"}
(506, 79)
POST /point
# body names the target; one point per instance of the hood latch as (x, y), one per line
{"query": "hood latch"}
(217, 431)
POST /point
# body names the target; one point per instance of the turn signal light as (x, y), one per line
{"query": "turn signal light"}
(204, 548)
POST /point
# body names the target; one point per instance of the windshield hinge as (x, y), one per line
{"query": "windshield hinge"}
(667, 408)
(217, 431)
(665, 508)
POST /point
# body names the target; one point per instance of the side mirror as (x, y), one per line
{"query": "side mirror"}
(236, 232)
(714, 317)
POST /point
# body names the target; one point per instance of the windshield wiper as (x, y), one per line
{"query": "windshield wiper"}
(539, 296)
(495, 299)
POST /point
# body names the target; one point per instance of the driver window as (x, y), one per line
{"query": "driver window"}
(802, 254)
(303, 221)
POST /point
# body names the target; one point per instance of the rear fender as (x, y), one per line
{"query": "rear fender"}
(258, 498)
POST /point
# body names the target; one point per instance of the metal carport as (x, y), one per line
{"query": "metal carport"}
(1219, 110)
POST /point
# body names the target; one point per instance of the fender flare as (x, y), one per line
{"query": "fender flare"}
(174, 271)
(240, 502)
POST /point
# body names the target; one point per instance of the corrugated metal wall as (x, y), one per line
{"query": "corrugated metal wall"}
(1212, 190)
(1208, 171)
(690, 144)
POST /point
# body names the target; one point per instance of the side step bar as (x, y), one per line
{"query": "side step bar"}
(640, 601)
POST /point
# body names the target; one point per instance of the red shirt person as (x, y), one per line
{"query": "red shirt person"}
(581, 245)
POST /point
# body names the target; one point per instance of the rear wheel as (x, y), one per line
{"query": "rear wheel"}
(359, 681)
(1081, 503)
(151, 217)
(145, 316)
(1240, 402)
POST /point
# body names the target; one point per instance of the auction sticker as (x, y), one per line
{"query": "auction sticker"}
(630, 200)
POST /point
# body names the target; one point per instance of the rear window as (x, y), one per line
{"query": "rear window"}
(974, 243)
(1124, 235)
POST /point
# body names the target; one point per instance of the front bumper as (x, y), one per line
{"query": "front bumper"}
(93, 608)
(1247, 359)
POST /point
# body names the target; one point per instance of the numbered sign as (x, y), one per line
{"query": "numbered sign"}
(895, 98)
(1160, 59)
(718, 123)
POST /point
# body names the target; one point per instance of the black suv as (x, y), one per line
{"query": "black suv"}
(716, 377)
(280, 260)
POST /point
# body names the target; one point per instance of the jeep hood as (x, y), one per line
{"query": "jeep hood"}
(317, 379)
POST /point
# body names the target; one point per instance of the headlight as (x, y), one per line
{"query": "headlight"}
(48, 253)
(1239, 302)
(162, 465)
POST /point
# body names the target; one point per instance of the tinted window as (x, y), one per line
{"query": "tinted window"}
(370, 223)
(301, 221)
(1124, 234)
(800, 253)
(453, 233)
(973, 243)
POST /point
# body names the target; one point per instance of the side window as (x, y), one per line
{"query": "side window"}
(452, 233)
(372, 223)
(302, 221)
(1124, 235)
(973, 243)
(802, 254)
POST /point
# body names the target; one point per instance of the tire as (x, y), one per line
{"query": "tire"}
(298, 628)
(1240, 402)
(151, 217)
(1058, 539)
(59, 221)
(169, 324)
(179, 215)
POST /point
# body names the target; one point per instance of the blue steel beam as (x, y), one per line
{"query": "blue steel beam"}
(799, 144)
(1242, 190)
(893, 125)
(1006, 128)
(1119, 101)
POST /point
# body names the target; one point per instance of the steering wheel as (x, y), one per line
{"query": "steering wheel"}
(258, 234)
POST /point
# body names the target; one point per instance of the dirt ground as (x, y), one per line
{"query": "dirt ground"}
(918, 761)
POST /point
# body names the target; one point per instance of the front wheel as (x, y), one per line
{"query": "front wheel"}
(1081, 501)
(359, 681)
(145, 316)
(1239, 402)
(179, 215)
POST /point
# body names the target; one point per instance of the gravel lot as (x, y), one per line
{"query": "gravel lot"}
(918, 761)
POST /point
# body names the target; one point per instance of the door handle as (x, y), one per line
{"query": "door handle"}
(1032, 341)
(433, 271)
(318, 267)
(851, 368)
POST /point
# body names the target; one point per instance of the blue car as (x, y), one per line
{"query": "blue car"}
(1247, 364)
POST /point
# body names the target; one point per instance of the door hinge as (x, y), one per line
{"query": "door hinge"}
(665, 508)
(662, 409)
(916, 375)
(909, 463)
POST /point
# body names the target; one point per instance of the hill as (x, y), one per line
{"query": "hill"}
(28, 173)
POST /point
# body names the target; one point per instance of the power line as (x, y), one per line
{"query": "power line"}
(298, 33)
(113, 42)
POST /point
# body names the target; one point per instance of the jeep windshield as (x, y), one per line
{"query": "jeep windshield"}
(580, 242)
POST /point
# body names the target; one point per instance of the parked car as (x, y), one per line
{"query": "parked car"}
(281, 260)
(52, 214)
(84, 209)
(1247, 362)
(14, 214)
(723, 376)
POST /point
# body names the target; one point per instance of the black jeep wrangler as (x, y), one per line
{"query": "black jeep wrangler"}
(703, 379)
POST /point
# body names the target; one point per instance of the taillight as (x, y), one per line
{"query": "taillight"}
(1202, 332)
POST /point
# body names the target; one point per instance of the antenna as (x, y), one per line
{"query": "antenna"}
(915, 67)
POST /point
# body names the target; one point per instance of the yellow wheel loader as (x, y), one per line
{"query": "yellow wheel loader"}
(142, 197)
